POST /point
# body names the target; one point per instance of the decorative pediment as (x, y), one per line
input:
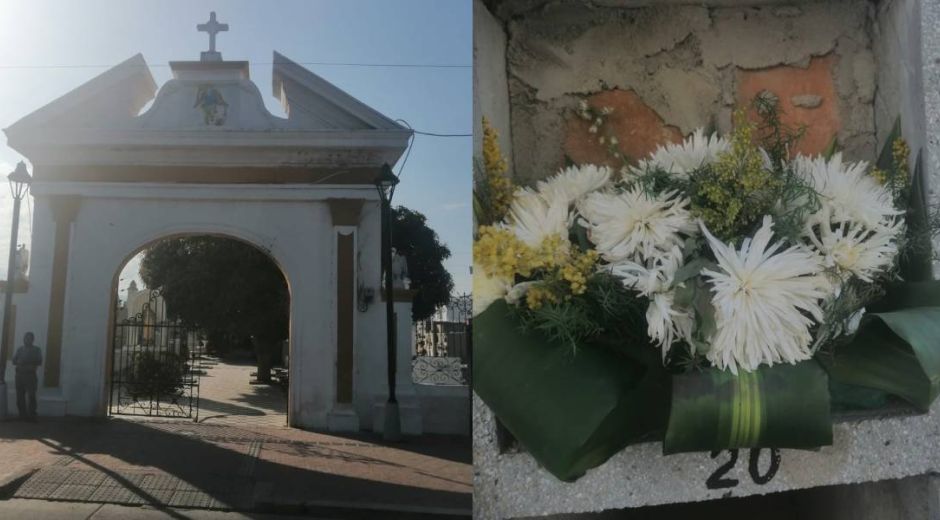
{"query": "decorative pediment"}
(112, 98)
(209, 114)
(312, 102)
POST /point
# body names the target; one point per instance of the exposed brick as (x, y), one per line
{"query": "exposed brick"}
(793, 86)
(638, 128)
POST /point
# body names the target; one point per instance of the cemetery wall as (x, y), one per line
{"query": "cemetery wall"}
(490, 90)
(669, 69)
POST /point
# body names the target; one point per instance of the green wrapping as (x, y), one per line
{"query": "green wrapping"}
(570, 410)
(783, 406)
(897, 347)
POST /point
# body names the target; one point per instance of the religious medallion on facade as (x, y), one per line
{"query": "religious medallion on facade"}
(213, 105)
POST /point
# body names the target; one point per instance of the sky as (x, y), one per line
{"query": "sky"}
(49, 47)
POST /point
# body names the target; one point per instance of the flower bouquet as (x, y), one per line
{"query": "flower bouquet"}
(719, 293)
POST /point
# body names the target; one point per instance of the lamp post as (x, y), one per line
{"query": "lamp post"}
(386, 183)
(19, 187)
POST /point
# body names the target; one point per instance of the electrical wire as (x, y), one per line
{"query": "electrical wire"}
(433, 134)
(324, 63)
(411, 142)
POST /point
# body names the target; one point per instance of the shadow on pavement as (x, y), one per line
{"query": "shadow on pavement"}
(204, 463)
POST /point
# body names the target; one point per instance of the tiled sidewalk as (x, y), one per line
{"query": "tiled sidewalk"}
(182, 464)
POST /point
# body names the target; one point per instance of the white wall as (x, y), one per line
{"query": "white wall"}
(293, 223)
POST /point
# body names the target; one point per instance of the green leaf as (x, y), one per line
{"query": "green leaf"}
(570, 412)
(690, 270)
(897, 347)
(833, 147)
(917, 266)
(783, 406)
(885, 158)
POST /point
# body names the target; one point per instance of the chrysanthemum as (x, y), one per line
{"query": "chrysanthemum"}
(534, 216)
(846, 192)
(487, 289)
(666, 321)
(575, 182)
(762, 297)
(856, 250)
(633, 225)
(680, 159)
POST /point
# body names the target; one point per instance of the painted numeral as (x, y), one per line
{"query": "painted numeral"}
(717, 480)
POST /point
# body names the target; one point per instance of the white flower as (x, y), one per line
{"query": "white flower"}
(655, 279)
(761, 298)
(666, 322)
(696, 151)
(851, 324)
(634, 226)
(518, 292)
(487, 289)
(574, 182)
(846, 191)
(856, 250)
(533, 216)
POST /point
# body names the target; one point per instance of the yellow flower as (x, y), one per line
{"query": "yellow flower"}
(538, 295)
(879, 175)
(900, 152)
(731, 196)
(499, 252)
(498, 189)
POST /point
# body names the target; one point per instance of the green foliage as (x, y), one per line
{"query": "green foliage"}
(231, 289)
(774, 136)
(425, 254)
(156, 376)
(735, 192)
(606, 308)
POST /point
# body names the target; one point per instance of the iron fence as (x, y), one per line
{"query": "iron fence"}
(154, 365)
(442, 344)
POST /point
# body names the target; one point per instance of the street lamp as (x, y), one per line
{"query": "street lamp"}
(386, 183)
(19, 187)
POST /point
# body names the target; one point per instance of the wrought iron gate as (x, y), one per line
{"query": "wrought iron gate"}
(154, 363)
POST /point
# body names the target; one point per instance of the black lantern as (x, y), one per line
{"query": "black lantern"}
(20, 181)
(385, 183)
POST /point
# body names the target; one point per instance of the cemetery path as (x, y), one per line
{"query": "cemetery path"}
(171, 464)
(226, 396)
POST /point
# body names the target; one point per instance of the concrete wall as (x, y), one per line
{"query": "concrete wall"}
(690, 65)
(445, 409)
(490, 87)
(896, 44)
(113, 223)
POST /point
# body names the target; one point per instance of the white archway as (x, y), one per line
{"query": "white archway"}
(196, 400)
(109, 181)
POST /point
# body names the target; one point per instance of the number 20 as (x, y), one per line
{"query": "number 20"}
(717, 480)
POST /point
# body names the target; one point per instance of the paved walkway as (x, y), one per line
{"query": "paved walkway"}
(227, 397)
(182, 464)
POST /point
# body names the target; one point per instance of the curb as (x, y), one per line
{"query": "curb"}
(357, 511)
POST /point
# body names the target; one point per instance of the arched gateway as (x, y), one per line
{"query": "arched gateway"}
(208, 158)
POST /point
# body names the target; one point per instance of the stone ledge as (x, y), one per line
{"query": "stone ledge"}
(868, 450)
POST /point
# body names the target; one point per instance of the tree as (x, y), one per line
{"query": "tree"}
(421, 247)
(230, 289)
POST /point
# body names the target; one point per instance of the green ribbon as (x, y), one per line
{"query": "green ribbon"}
(783, 406)
(572, 412)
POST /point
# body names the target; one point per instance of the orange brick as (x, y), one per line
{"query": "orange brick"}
(788, 82)
(638, 128)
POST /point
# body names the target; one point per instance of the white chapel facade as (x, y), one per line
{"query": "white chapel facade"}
(208, 158)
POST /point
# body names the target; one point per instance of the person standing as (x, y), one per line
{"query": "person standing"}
(27, 359)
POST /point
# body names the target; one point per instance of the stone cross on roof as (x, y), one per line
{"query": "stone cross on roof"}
(212, 27)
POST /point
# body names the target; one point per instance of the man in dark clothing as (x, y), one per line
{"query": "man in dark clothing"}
(27, 360)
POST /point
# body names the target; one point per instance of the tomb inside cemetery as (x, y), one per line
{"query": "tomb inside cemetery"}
(120, 164)
(851, 71)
